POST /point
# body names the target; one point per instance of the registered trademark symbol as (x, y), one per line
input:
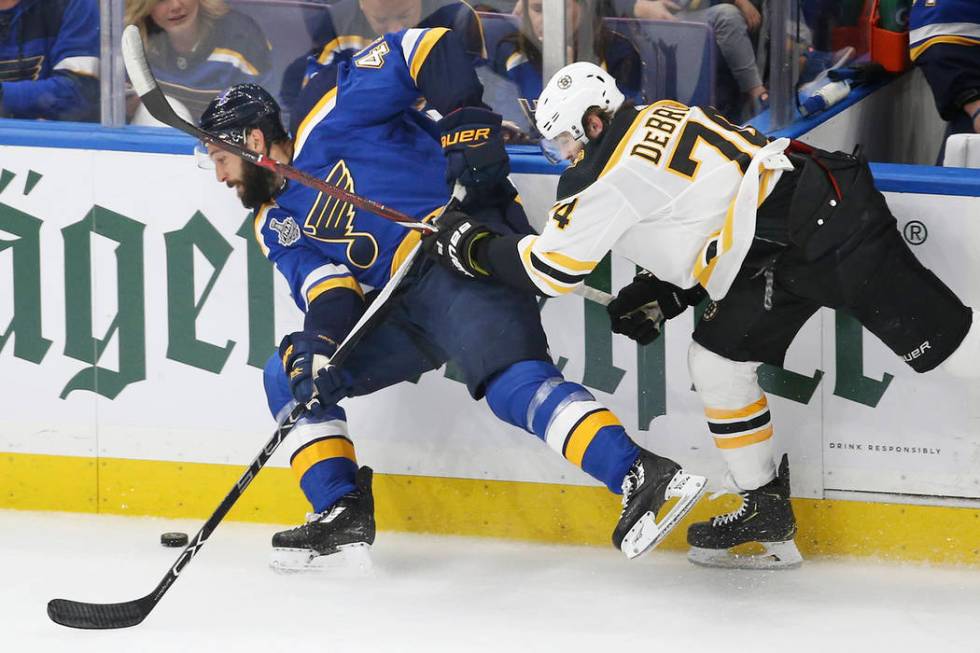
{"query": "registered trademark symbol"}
(915, 232)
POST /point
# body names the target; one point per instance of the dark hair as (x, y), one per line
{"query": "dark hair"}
(605, 115)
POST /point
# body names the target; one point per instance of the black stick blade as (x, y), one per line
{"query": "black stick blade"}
(98, 616)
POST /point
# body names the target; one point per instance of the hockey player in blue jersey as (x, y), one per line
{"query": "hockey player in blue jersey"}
(362, 134)
(49, 59)
(944, 41)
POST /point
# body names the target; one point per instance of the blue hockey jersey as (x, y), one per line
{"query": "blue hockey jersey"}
(49, 60)
(362, 134)
(932, 22)
(942, 41)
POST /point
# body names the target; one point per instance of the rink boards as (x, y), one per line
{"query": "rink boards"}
(136, 312)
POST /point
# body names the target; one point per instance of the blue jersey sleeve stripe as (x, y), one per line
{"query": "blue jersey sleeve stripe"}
(410, 42)
(320, 273)
(332, 284)
(422, 49)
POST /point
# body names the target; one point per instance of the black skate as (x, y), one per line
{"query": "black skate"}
(650, 482)
(765, 517)
(337, 538)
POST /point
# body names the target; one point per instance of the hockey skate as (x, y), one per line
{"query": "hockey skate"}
(765, 517)
(338, 539)
(650, 483)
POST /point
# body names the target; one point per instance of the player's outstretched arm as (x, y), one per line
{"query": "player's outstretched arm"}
(467, 247)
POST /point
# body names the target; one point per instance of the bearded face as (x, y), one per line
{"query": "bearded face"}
(258, 186)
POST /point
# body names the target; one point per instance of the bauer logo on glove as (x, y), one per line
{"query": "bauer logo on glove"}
(476, 137)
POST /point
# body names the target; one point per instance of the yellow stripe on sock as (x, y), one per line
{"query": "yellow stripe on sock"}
(581, 437)
(320, 450)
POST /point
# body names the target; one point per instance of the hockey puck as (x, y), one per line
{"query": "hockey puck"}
(174, 539)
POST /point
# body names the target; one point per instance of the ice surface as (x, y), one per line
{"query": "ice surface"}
(458, 594)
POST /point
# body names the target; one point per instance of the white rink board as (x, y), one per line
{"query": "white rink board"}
(182, 412)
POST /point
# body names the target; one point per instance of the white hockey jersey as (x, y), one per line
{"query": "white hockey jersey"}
(672, 188)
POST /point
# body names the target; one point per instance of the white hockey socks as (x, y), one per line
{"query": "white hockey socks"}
(737, 413)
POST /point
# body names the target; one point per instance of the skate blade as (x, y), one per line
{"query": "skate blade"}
(349, 560)
(776, 555)
(647, 532)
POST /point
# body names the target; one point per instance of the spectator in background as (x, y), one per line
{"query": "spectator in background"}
(347, 26)
(49, 59)
(734, 23)
(197, 48)
(944, 41)
(518, 56)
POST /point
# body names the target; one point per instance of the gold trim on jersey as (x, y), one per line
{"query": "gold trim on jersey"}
(257, 223)
(408, 243)
(404, 249)
(341, 43)
(425, 45)
(915, 52)
(515, 60)
(618, 152)
(479, 26)
(320, 110)
(330, 284)
(238, 60)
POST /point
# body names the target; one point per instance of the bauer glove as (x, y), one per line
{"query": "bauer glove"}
(304, 355)
(473, 143)
(640, 309)
(459, 244)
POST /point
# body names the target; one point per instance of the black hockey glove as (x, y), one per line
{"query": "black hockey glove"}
(472, 140)
(304, 355)
(458, 244)
(640, 309)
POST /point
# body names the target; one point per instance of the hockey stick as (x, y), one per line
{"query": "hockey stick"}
(156, 103)
(77, 614)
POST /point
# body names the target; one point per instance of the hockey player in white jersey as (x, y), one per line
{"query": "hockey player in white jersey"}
(768, 230)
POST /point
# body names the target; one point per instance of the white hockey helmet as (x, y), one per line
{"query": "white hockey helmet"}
(571, 92)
